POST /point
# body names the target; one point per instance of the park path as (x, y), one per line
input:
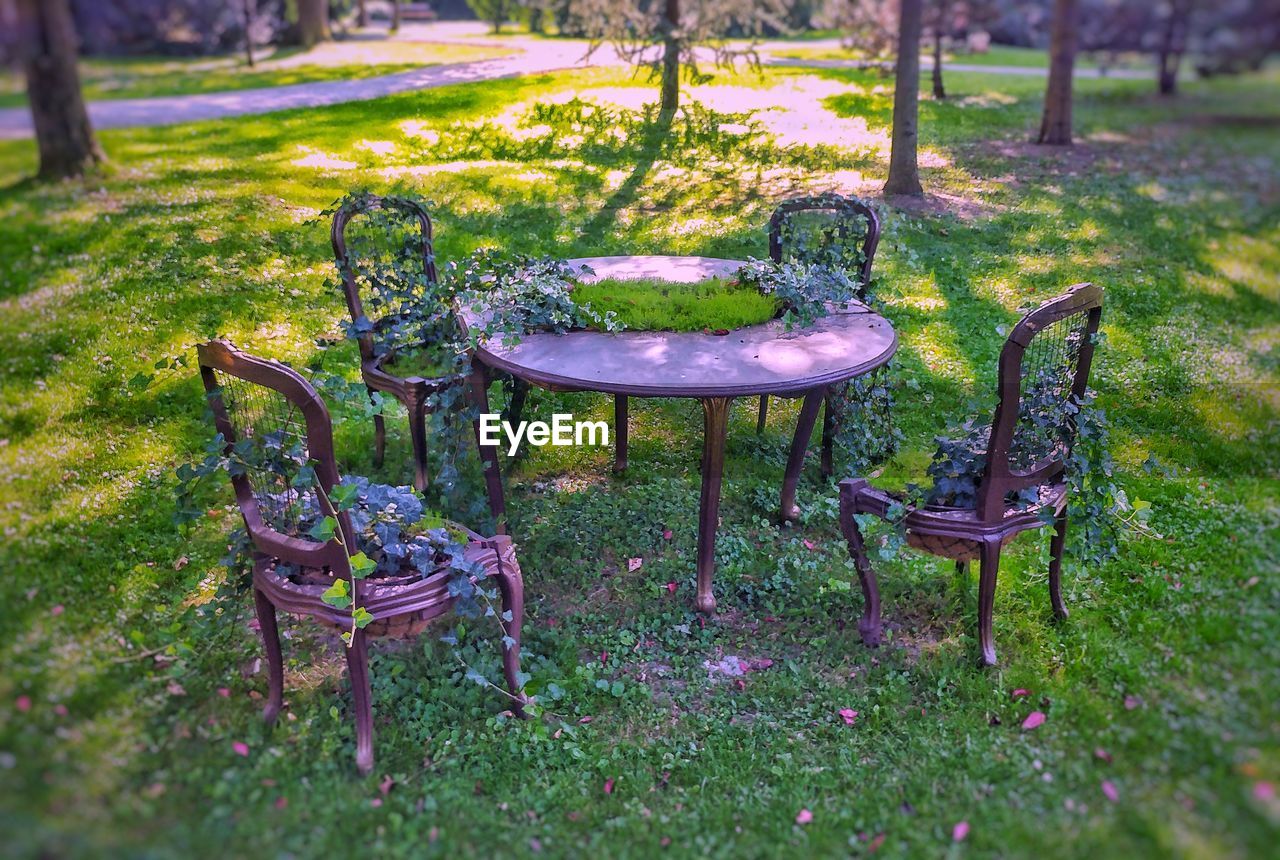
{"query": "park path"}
(529, 56)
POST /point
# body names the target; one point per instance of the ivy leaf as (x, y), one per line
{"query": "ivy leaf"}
(362, 618)
(337, 595)
(473, 675)
(344, 496)
(323, 531)
(362, 566)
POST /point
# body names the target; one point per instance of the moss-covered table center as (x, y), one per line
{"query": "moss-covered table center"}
(714, 368)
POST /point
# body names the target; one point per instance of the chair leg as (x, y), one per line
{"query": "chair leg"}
(379, 437)
(826, 466)
(275, 661)
(764, 413)
(988, 569)
(418, 435)
(619, 433)
(358, 667)
(515, 407)
(511, 584)
(869, 624)
(1055, 565)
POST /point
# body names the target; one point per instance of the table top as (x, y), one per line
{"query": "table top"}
(760, 359)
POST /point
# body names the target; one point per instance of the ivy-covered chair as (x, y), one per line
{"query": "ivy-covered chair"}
(339, 549)
(1003, 479)
(400, 315)
(830, 230)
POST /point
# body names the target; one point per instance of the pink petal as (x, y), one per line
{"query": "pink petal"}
(608, 786)
(1102, 755)
(666, 535)
(23, 704)
(57, 610)
(960, 831)
(804, 816)
(849, 715)
(376, 802)
(808, 544)
(60, 710)
(671, 588)
(241, 748)
(1131, 702)
(586, 720)
(634, 563)
(385, 786)
(1109, 791)
(1264, 791)
(224, 692)
(1020, 693)
(1034, 719)
(282, 802)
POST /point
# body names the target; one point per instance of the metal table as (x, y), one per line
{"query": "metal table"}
(761, 359)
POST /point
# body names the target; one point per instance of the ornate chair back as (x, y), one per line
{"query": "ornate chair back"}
(385, 262)
(1044, 369)
(831, 230)
(277, 425)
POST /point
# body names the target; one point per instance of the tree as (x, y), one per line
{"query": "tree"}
(940, 9)
(362, 14)
(952, 19)
(313, 22)
(395, 16)
(663, 35)
(496, 12)
(870, 26)
(1055, 125)
(64, 135)
(904, 173)
(1173, 43)
(247, 7)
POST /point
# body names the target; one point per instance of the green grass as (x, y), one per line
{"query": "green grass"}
(996, 55)
(148, 77)
(1166, 664)
(652, 304)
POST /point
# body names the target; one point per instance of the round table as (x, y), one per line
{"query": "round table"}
(761, 359)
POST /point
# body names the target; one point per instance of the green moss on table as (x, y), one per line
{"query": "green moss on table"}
(652, 304)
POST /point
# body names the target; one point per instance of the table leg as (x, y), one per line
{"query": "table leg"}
(716, 421)
(619, 433)
(799, 444)
(477, 391)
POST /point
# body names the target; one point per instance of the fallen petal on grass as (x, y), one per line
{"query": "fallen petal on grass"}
(1035, 719)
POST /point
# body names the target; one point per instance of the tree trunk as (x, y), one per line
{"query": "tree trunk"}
(904, 174)
(939, 25)
(1171, 46)
(313, 22)
(1055, 125)
(64, 135)
(535, 20)
(248, 30)
(671, 58)
(395, 16)
(362, 14)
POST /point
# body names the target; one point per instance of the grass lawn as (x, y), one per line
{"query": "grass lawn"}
(125, 689)
(144, 77)
(997, 55)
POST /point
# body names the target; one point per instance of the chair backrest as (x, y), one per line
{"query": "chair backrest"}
(278, 425)
(1044, 367)
(367, 263)
(829, 229)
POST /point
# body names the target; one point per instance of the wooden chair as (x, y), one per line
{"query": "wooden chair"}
(412, 391)
(256, 399)
(831, 230)
(1054, 343)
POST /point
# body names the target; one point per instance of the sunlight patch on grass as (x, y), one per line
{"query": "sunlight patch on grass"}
(377, 147)
(322, 160)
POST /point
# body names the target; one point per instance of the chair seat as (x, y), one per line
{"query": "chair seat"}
(401, 606)
(958, 533)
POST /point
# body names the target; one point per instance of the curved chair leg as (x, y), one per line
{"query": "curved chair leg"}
(869, 624)
(478, 395)
(826, 466)
(1055, 565)
(788, 510)
(764, 413)
(379, 437)
(988, 569)
(511, 584)
(418, 435)
(358, 667)
(619, 433)
(275, 661)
